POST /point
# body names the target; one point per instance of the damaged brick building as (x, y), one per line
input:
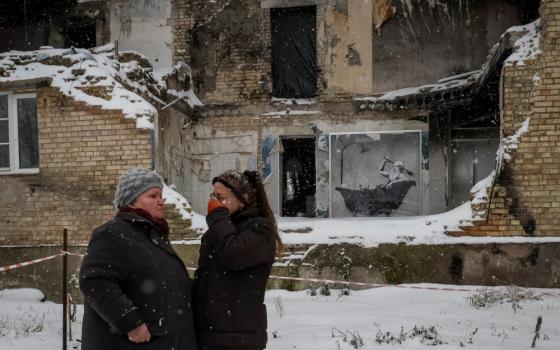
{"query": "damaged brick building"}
(353, 108)
(297, 90)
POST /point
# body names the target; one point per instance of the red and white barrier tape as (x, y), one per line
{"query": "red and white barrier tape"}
(361, 284)
(62, 252)
(301, 279)
(27, 263)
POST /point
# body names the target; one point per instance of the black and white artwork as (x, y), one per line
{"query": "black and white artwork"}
(375, 174)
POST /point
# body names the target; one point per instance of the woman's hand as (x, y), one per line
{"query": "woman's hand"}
(140, 334)
(214, 204)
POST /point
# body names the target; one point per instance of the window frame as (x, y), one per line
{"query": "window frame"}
(13, 134)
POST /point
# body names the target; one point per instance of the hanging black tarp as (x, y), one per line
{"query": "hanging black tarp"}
(294, 71)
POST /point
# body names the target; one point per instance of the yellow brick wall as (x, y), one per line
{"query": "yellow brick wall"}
(82, 150)
(526, 197)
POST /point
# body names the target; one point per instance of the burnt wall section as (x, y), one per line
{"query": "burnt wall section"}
(228, 48)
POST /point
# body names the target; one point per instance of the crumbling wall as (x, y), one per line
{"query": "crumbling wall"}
(227, 42)
(525, 197)
(228, 48)
(248, 139)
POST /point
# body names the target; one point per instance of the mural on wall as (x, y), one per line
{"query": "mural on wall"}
(375, 174)
(268, 144)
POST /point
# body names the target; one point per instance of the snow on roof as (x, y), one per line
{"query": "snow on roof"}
(184, 73)
(293, 101)
(96, 78)
(457, 81)
(526, 47)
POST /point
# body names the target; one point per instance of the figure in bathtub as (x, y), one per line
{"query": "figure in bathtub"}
(381, 199)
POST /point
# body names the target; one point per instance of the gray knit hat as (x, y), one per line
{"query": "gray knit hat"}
(133, 183)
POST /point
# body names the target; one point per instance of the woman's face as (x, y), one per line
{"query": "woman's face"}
(226, 197)
(151, 202)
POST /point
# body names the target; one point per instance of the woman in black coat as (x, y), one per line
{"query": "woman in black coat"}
(236, 256)
(136, 288)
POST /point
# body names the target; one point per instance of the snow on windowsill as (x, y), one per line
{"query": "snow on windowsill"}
(290, 112)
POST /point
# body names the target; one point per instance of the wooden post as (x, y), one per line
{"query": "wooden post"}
(64, 290)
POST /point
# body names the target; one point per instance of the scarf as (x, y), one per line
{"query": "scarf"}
(161, 224)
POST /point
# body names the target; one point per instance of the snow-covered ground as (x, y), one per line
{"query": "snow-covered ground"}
(379, 318)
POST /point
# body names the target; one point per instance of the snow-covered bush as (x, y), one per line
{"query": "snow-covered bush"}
(24, 323)
(512, 294)
(426, 335)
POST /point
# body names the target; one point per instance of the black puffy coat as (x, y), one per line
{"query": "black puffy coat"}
(131, 275)
(236, 256)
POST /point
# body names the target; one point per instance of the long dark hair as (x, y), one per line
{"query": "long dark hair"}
(248, 187)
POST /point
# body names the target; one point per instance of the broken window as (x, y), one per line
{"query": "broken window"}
(294, 68)
(19, 144)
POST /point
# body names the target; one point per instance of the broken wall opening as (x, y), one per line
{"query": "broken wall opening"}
(30, 24)
(79, 31)
(298, 176)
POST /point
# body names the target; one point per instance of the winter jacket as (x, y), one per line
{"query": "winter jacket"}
(236, 256)
(131, 275)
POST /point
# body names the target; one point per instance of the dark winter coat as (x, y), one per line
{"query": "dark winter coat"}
(131, 275)
(236, 256)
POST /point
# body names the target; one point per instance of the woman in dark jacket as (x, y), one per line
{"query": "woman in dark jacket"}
(236, 256)
(136, 288)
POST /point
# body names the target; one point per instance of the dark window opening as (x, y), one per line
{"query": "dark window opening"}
(294, 68)
(34, 23)
(298, 177)
(79, 31)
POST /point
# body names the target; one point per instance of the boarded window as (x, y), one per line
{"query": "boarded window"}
(294, 68)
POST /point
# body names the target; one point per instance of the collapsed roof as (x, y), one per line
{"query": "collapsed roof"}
(516, 45)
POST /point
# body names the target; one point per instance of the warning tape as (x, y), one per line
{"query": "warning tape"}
(31, 262)
(71, 254)
(366, 284)
(27, 263)
(361, 284)
(301, 279)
